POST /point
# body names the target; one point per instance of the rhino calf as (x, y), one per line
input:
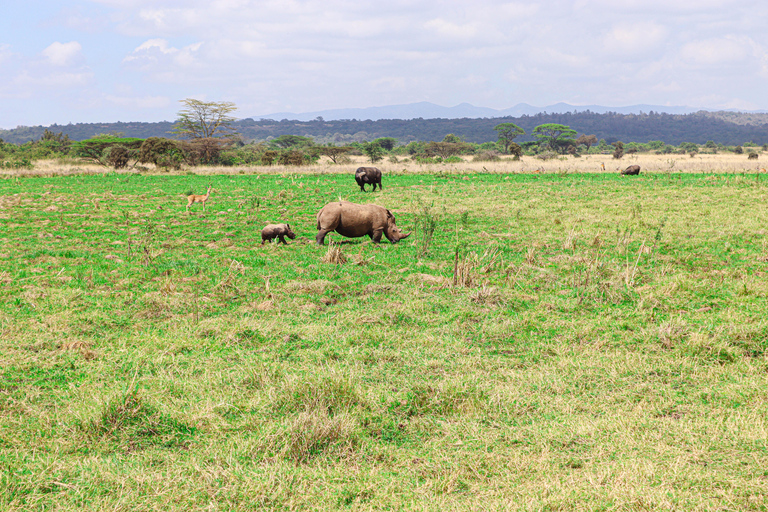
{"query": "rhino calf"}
(632, 170)
(356, 220)
(368, 175)
(280, 231)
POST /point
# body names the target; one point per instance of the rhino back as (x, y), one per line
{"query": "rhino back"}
(350, 219)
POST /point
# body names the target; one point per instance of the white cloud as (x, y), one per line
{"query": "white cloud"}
(5, 53)
(158, 56)
(316, 54)
(452, 30)
(62, 54)
(139, 102)
(636, 39)
(712, 52)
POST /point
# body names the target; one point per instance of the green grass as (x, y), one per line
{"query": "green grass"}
(561, 342)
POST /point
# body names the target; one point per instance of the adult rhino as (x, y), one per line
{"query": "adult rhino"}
(356, 220)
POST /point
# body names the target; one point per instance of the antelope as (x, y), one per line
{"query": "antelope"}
(603, 166)
(198, 199)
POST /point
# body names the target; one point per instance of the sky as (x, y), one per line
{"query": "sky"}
(135, 60)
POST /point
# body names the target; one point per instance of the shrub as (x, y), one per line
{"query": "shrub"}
(619, 151)
(487, 156)
(117, 157)
(161, 152)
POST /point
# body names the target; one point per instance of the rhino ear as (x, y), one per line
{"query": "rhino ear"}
(389, 215)
(289, 226)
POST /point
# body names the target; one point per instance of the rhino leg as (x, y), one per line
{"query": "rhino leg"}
(320, 238)
(282, 239)
(376, 236)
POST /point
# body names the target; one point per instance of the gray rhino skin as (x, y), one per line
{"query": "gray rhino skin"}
(356, 220)
(632, 170)
(272, 231)
(368, 175)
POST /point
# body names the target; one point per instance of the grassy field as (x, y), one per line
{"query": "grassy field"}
(567, 340)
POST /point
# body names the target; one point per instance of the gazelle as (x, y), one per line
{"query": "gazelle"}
(198, 199)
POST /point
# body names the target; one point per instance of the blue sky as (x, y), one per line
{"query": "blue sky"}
(134, 60)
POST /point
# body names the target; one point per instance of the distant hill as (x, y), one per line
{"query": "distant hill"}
(426, 110)
(700, 127)
(729, 128)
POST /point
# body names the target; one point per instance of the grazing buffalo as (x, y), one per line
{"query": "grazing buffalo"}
(368, 175)
(632, 170)
(356, 220)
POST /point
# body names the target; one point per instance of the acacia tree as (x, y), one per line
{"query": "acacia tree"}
(205, 120)
(507, 133)
(207, 126)
(557, 136)
(333, 152)
(445, 149)
(586, 140)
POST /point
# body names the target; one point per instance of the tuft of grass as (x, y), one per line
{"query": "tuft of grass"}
(315, 433)
(427, 220)
(334, 254)
(129, 421)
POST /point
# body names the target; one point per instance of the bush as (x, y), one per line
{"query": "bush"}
(546, 155)
(117, 157)
(161, 152)
(487, 156)
(619, 151)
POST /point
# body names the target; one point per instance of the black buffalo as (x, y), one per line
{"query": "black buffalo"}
(368, 175)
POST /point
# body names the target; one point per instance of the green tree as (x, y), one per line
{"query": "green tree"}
(205, 120)
(556, 136)
(689, 147)
(291, 141)
(386, 143)
(446, 149)
(97, 149)
(586, 140)
(373, 151)
(507, 134)
(333, 152)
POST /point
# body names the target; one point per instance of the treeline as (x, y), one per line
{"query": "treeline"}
(725, 128)
(118, 152)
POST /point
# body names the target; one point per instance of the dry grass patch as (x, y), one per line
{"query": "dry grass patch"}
(334, 255)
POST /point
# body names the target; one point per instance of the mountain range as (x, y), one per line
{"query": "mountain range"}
(426, 110)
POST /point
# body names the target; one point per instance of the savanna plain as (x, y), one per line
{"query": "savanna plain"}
(550, 337)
